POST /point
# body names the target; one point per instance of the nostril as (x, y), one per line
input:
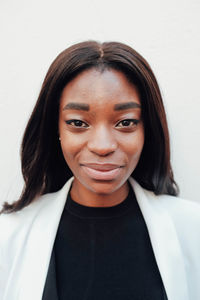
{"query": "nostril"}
(102, 149)
(102, 152)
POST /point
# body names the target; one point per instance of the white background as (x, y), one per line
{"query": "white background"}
(166, 33)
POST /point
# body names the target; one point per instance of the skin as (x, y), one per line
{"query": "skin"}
(100, 135)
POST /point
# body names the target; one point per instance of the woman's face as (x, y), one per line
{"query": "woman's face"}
(100, 128)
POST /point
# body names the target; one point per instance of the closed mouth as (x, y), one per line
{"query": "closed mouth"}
(102, 167)
(102, 172)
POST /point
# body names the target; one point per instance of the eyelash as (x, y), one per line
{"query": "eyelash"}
(69, 122)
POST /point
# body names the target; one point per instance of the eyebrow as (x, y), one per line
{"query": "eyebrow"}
(127, 105)
(77, 106)
(86, 107)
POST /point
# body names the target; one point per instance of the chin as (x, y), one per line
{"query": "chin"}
(104, 187)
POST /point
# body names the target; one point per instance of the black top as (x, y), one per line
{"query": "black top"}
(105, 253)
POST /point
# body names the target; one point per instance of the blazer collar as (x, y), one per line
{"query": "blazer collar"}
(164, 241)
(40, 243)
(43, 229)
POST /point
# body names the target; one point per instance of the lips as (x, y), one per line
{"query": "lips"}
(102, 171)
(102, 167)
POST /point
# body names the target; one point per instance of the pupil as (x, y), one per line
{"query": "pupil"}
(126, 123)
(78, 123)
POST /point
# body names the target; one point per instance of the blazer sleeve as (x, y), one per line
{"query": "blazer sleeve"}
(4, 261)
(9, 250)
(186, 218)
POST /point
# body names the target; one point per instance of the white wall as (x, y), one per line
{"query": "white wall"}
(166, 33)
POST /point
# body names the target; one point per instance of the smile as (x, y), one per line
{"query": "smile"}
(103, 172)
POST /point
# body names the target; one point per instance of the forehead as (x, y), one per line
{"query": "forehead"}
(97, 88)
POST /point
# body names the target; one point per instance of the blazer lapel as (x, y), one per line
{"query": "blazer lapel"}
(39, 245)
(50, 289)
(165, 243)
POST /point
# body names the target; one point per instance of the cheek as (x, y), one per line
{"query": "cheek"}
(134, 144)
(134, 148)
(71, 145)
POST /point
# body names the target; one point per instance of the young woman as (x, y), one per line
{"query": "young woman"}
(98, 217)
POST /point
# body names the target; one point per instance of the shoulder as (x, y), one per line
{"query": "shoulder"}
(18, 227)
(180, 209)
(20, 230)
(182, 213)
(18, 224)
(177, 207)
(14, 224)
(185, 216)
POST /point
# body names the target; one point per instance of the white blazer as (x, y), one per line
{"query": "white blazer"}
(27, 238)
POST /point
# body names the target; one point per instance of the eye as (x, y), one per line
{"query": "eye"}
(77, 123)
(127, 123)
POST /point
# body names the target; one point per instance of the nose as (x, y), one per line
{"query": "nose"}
(102, 141)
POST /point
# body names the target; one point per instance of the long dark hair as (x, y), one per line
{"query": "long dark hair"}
(43, 166)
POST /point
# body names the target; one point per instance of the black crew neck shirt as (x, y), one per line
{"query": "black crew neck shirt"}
(104, 253)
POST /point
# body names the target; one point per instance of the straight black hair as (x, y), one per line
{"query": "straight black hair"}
(43, 166)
